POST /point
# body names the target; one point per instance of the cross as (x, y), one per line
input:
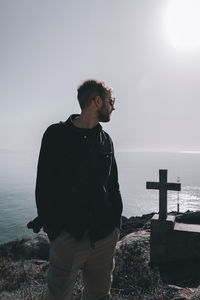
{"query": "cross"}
(163, 187)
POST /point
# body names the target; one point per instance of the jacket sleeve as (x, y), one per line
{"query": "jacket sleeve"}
(115, 195)
(45, 178)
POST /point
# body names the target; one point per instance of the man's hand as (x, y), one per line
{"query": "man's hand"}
(35, 225)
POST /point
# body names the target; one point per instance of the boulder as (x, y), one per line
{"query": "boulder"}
(190, 217)
(37, 247)
(134, 278)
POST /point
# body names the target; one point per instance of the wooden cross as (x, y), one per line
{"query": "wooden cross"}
(163, 187)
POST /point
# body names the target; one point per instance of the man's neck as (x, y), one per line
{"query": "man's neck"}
(86, 121)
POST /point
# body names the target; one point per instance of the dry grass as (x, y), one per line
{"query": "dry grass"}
(133, 280)
(22, 279)
(19, 282)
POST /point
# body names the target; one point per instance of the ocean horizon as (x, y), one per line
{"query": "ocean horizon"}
(18, 176)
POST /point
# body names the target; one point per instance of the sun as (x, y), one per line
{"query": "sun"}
(182, 23)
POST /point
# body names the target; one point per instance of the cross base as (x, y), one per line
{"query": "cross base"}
(172, 242)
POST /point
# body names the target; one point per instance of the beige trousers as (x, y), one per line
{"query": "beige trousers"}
(67, 255)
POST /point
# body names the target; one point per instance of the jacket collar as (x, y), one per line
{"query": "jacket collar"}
(82, 131)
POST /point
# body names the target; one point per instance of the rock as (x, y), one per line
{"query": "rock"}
(37, 247)
(132, 273)
(5, 296)
(135, 223)
(189, 217)
(182, 293)
(139, 240)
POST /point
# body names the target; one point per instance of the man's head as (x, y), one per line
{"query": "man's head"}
(98, 93)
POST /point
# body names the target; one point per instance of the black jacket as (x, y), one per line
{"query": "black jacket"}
(77, 182)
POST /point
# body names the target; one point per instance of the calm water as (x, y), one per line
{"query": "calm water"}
(18, 174)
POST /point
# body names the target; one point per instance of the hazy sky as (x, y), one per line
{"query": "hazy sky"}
(147, 50)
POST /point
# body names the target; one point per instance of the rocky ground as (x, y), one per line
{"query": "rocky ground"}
(24, 265)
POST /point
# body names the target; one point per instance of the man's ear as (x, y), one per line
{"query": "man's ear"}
(98, 100)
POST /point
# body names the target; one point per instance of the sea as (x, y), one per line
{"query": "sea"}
(18, 176)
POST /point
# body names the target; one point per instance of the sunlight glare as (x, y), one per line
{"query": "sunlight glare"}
(182, 22)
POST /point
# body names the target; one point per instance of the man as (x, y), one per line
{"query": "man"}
(78, 198)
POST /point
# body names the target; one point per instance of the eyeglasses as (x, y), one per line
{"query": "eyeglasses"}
(112, 100)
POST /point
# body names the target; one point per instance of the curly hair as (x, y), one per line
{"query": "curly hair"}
(91, 88)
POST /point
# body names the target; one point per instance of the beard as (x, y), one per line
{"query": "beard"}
(104, 114)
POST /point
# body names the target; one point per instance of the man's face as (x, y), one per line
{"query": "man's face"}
(106, 109)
